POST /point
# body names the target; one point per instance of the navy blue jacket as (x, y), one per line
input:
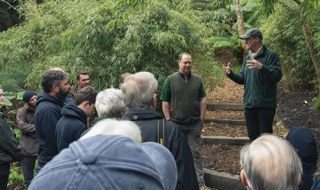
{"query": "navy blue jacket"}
(70, 126)
(305, 144)
(147, 120)
(48, 113)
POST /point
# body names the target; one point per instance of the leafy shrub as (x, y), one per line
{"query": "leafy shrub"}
(107, 39)
(316, 102)
(285, 36)
(15, 178)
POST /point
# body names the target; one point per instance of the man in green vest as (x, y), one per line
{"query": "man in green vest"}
(184, 103)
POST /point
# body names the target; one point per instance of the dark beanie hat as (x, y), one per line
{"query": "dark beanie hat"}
(27, 95)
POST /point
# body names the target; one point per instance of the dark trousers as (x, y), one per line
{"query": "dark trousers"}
(193, 135)
(259, 121)
(27, 166)
(4, 175)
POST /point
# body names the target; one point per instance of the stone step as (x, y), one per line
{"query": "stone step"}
(222, 180)
(224, 140)
(226, 121)
(224, 106)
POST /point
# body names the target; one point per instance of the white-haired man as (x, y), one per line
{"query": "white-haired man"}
(109, 103)
(138, 91)
(270, 162)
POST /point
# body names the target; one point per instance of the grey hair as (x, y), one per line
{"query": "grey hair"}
(115, 127)
(109, 103)
(270, 162)
(138, 89)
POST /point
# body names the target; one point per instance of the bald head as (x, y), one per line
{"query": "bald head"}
(270, 162)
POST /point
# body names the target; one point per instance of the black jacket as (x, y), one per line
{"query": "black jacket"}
(9, 150)
(147, 120)
(305, 144)
(48, 113)
(70, 126)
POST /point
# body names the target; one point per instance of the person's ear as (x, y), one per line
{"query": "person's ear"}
(243, 178)
(55, 88)
(86, 103)
(154, 101)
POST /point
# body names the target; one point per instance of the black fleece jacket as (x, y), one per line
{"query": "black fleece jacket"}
(147, 120)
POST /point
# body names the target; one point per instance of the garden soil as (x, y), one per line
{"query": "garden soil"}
(293, 109)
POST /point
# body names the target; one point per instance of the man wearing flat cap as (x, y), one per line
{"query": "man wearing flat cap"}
(260, 73)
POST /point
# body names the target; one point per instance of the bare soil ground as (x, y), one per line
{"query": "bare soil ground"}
(294, 109)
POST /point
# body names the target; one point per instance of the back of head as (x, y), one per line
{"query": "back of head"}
(138, 89)
(109, 103)
(305, 145)
(115, 127)
(270, 163)
(52, 77)
(109, 163)
(87, 93)
(123, 76)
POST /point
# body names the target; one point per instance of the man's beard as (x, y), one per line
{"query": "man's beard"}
(62, 93)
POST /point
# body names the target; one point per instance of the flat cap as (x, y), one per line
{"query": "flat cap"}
(253, 32)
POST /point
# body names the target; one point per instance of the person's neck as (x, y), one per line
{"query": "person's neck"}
(52, 93)
(185, 75)
(257, 48)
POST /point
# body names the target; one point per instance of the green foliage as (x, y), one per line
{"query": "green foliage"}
(221, 42)
(316, 102)
(285, 36)
(18, 134)
(107, 39)
(15, 177)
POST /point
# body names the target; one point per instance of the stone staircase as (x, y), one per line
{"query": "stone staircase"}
(222, 180)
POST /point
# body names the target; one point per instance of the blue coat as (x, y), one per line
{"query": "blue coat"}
(305, 144)
(70, 126)
(48, 113)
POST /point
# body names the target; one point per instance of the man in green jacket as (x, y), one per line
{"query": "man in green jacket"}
(260, 73)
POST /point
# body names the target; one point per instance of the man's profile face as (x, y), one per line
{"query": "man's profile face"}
(84, 80)
(64, 88)
(252, 43)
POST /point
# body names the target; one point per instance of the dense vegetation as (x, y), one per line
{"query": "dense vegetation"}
(109, 37)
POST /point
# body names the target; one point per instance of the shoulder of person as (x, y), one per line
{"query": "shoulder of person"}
(269, 51)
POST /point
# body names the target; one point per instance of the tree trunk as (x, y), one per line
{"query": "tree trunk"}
(240, 22)
(307, 32)
(240, 19)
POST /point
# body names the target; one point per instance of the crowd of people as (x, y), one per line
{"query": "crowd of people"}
(115, 139)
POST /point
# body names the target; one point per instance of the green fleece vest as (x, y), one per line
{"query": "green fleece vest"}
(186, 94)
